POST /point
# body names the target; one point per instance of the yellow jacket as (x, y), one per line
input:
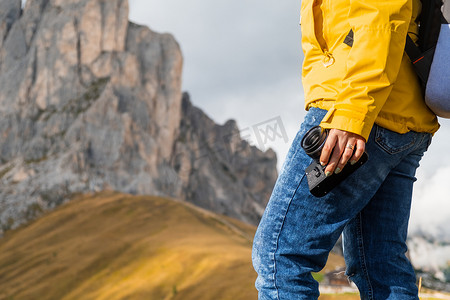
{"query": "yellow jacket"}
(372, 81)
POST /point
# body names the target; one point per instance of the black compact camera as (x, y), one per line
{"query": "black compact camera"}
(319, 184)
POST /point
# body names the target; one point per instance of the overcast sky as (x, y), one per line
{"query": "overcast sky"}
(242, 60)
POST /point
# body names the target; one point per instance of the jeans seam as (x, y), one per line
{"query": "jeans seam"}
(278, 237)
(426, 138)
(362, 256)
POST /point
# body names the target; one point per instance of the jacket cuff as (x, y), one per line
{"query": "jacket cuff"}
(349, 121)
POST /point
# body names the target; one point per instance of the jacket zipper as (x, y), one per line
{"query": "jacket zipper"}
(328, 59)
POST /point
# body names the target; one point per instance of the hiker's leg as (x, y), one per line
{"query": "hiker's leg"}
(375, 240)
(298, 230)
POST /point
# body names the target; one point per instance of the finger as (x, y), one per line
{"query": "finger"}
(336, 155)
(360, 148)
(346, 155)
(328, 149)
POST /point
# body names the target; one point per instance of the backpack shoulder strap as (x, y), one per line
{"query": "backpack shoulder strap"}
(421, 60)
(430, 23)
(421, 55)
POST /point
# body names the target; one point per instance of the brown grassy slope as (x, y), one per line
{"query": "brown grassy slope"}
(116, 246)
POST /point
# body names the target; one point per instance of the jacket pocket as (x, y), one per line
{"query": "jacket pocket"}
(393, 142)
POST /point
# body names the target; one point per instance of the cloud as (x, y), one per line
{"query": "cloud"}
(431, 198)
(431, 206)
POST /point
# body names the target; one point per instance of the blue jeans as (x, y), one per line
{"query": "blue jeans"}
(371, 207)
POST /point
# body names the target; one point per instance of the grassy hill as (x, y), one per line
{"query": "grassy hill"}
(117, 246)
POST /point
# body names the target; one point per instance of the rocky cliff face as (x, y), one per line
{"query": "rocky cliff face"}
(90, 101)
(218, 170)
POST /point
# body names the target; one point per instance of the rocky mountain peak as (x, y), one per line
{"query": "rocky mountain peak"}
(90, 101)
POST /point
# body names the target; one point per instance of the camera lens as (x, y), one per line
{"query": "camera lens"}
(313, 141)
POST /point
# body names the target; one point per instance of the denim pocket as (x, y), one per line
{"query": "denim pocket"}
(393, 142)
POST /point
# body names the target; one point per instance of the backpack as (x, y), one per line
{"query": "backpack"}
(430, 57)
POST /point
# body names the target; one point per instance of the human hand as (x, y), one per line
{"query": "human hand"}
(338, 150)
